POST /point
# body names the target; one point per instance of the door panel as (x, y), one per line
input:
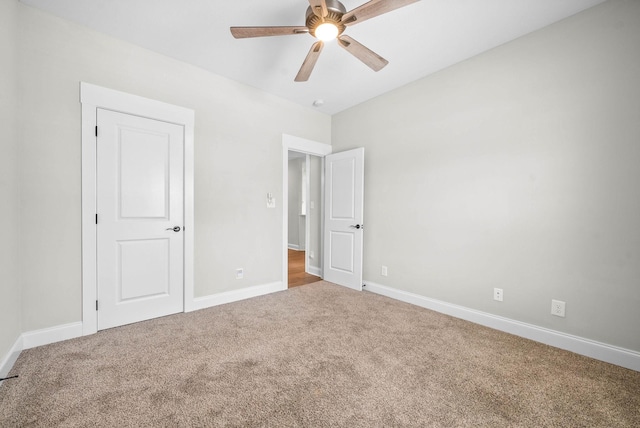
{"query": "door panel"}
(143, 267)
(139, 201)
(344, 211)
(144, 174)
(342, 249)
(343, 189)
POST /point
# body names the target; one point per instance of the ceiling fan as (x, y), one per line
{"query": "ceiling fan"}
(326, 20)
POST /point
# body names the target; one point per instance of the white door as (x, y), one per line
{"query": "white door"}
(139, 203)
(344, 199)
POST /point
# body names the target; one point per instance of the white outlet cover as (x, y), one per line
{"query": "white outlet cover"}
(239, 273)
(558, 308)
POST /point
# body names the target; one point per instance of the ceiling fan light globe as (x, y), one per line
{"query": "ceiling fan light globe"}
(326, 32)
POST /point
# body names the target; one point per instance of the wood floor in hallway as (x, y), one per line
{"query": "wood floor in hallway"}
(297, 274)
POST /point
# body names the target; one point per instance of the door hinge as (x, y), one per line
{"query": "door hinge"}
(96, 218)
(96, 305)
(96, 130)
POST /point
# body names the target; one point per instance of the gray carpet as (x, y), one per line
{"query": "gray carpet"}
(314, 356)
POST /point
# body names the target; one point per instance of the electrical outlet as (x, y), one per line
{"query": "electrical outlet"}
(497, 294)
(384, 271)
(239, 273)
(557, 308)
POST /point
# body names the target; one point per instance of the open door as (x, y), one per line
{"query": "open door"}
(343, 233)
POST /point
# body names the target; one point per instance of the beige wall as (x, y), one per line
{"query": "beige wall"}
(9, 187)
(518, 169)
(238, 155)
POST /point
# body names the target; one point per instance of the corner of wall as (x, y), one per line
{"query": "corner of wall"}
(6, 364)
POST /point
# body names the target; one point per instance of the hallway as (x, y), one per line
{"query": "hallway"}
(297, 274)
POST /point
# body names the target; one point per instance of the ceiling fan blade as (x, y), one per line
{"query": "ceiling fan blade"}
(245, 32)
(364, 54)
(319, 8)
(309, 62)
(372, 9)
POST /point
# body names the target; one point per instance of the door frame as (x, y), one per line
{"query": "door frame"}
(309, 147)
(93, 97)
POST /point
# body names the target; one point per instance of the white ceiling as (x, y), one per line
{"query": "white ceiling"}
(418, 39)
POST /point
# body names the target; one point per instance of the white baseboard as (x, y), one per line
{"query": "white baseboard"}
(31, 339)
(235, 295)
(59, 333)
(314, 270)
(293, 247)
(10, 359)
(589, 348)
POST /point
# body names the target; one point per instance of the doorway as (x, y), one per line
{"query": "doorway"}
(344, 175)
(304, 232)
(317, 151)
(94, 98)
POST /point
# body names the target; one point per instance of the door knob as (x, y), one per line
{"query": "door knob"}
(357, 226)
(175, 229)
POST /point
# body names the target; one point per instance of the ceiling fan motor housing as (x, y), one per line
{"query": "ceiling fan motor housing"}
(336, 10)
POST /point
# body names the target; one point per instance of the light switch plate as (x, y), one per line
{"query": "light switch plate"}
(271, 201)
